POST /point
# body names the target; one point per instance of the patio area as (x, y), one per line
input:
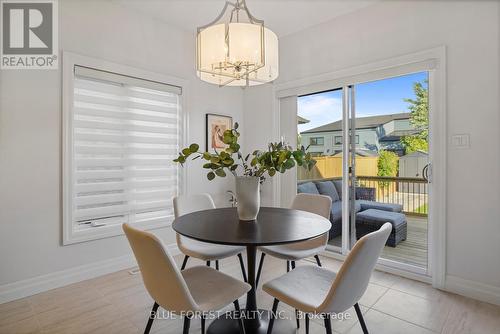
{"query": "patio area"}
(411, 251)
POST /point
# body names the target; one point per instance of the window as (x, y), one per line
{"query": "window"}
(338, 140)
(123, 135)
(316, 141)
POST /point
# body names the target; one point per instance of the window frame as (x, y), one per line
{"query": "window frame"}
(340, 143)
(70, 60)
(316, 140)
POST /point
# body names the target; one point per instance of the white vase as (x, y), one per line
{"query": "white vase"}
(248, 197)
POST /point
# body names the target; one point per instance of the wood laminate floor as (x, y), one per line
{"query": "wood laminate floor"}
(118, 303)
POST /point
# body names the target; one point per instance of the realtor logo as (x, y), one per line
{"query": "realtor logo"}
(29, 34)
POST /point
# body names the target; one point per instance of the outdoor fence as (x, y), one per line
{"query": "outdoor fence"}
(331, 166)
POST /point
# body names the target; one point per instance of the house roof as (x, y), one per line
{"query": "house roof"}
(361, 123)
(302, 120)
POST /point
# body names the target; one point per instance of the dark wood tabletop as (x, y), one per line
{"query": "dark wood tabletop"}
(273, 226)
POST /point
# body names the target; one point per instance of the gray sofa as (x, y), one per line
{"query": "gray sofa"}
(365, 200)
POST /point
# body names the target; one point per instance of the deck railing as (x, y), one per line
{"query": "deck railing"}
(410, 192)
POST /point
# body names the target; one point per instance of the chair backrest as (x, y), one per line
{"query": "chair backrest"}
(318, 204)
(162, 278)
(353, 277)
(185, 204)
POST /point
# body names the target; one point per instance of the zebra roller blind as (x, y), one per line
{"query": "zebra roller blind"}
(125, 133)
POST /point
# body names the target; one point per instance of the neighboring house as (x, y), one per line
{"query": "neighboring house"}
(373, 133)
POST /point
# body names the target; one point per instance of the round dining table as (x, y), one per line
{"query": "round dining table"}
(273, 226)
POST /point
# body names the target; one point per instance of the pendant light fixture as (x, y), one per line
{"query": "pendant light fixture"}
(236, 49)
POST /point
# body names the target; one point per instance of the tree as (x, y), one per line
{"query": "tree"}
(419, 119)
(387, 163)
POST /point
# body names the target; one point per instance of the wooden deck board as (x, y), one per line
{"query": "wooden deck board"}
(411, 251)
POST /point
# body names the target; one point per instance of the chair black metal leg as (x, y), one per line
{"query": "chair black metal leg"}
(152, 316)
(242, 265)
(272, 316)
(317, 260)
(259, 271)
(361, 319)
(203, 324)
(216, 264)
(238, 316)
(293, 265)
(287, 266)
(208, 263)
(187, 323)
(297, 318)
(328, 324)
(307, 323)
(186, 258)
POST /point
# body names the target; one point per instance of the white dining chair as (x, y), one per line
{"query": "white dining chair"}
(197, 290)
(318, 291)
(202, 250)
(318, 204)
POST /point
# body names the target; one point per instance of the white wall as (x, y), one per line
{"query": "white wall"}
(470, 32)
(30, 133)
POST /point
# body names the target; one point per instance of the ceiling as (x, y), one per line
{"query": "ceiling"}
(282, 16)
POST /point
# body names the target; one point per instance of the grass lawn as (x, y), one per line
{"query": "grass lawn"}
(422, 209)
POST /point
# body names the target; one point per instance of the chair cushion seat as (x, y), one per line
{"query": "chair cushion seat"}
(304, 288)
(307, 188)
(296, 250)
(211, 289)
(393, 207)
(327, 188)
(379, 217)
(206, 251)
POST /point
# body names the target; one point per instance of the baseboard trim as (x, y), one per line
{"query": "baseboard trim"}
(32, 286)
(483, 292)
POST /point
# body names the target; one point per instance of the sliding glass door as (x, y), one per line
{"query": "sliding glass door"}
(371, 141)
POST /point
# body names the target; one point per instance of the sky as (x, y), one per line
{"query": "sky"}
(374, 98)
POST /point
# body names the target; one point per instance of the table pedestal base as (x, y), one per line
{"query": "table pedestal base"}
(227, 324)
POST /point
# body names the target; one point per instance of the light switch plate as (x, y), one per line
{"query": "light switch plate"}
(460, 140)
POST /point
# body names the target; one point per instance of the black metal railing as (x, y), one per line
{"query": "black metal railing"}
(411, 193)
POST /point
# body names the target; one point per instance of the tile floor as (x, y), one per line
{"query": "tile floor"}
(118, 303)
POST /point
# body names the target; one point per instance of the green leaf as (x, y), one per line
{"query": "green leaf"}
(290, 163)
(210, 176)
(220, 172)
(194, 148)
(207, 156)
(233, 167)
(282, 157)
(235, 147)
(272, 172)
(215, 160)
(186, 151)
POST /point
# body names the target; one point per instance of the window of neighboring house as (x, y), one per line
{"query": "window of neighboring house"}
(338, 140)
(316, 141)
(122, 133)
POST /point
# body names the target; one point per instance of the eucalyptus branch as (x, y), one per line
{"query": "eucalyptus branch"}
(279, 157)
